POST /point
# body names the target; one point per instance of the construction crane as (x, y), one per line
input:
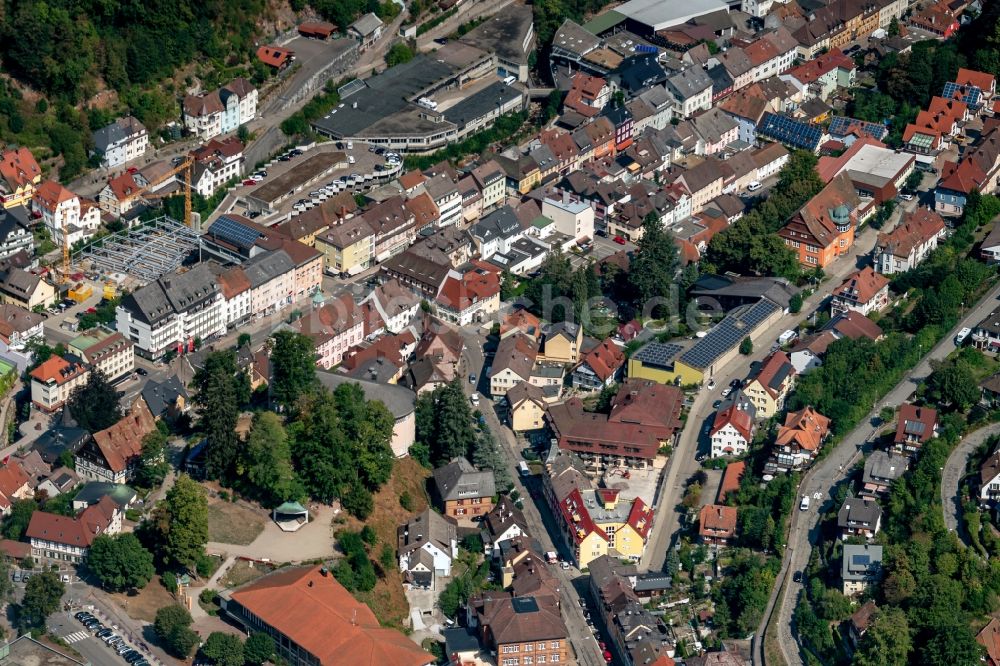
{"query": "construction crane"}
(185, 166)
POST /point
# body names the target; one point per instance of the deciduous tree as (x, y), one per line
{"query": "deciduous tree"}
(182, 521)
(293, 367)
(95, 405)
(41, 598)
(120, 562)
(224, 649)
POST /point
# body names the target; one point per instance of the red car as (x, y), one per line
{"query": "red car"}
(607, 656)
(249, 181)
(619, 240)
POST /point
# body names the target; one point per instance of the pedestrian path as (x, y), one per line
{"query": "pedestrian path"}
(76, 636)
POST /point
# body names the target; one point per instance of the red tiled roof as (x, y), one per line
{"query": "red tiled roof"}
(50, 194)
(640, 517)
(121, 443)
(523, 321)
(715, 521)
(124, 186)
(423, 209)
(982, 80)
(828, 166)
(811, 70)
(862, 286)
(807, 428)
(18, 167)
(575, 513)
(776, 368)
(274, 56)
(605, 359)
(855, 325)
(731, 478)
(962, 177)
(989, 638)
(734, 415)
(917, 227)
(411, 179)
(233, 282)
(79, 531)
(477, 285)
(316, 612)
(59, 369)
(917, 421)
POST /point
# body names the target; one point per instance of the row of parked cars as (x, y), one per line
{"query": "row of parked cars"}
(113, 640)
(349, 183)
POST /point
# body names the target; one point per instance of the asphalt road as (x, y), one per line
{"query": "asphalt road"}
(682, 463)
(951, 477)
(536, 514)
(832, 470)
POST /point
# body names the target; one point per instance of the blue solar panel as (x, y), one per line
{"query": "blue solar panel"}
(842, 125)
(233, 231)
(797, 133)
(862, 560)
(645, 48)
(969, 94)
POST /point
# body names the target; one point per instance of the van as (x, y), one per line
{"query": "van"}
(804, 504)
(787, 337)
(962, 335)
(510, 80)
(475, 399)
(522, 468)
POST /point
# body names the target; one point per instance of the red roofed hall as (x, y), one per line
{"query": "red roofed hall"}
(56, 538)
(315, 621)
(275, 56)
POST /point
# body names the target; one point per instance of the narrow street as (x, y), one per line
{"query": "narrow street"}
(536, 514)
(952, 474)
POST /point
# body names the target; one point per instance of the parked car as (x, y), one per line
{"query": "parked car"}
(736, 383)
(619, 240)
(962, 335)
(726, 391)
(797, 577)
(754, 186)
(249, 181)
(906, 197)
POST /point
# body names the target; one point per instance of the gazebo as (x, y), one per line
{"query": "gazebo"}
(290, 516)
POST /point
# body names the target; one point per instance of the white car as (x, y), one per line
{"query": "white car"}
(754, 186)
(350, 159)
(726, 391)
(906, 197)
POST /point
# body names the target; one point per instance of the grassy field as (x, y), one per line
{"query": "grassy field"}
(387, 600)
(242, 572)
(233, 523)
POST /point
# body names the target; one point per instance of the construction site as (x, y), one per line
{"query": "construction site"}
(140, 255)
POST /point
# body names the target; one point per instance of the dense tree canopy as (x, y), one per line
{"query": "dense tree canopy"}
(181, 522)
(41, 598)
(293, 367)
(223, 649)
(444, 423)
(120, 561)
(172, 626)
(265, 468)
(95, 405)
(222, 388)
(341, 443)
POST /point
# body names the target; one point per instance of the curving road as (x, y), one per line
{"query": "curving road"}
(822, 479)
(951, 477)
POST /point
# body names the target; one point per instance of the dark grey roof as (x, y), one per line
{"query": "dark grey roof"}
(882, 467)
(159, 396)
(116, 132)
(172, 294)
(478, 105)
(265, 267)
(460, 639)
(459, 480)
(501, 223)
(367, 24)
(859, 511)
(504, 33)
(690, 82)
(648, 582)
(397, 399)
(92, 493)
(639, 71)
(728, 333)
(51, 444)
(861, 562)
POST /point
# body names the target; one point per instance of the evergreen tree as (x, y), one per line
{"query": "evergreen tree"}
(266, 462)
(654, 268)
(219, 396)
(153, 465)
(95, 405)
(293, 367)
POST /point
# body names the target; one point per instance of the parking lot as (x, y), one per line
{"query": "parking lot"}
(360, 170)
(94, 649)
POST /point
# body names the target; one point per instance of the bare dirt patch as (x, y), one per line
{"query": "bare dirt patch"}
(242, 572)
(387, 600)
(233, 523)
(144, 604)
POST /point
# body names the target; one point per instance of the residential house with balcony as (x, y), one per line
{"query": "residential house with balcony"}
(19, 326)
(859, 517)
(717, 524)
(19, 175)
(526, 405)
(915, 426)
(347, 248)
(62, 213)
(561, 342)
(821, 77)
(53, 381)
(57, 539)
(503, 523)
(909, 243)
(863, 291)
(215, 164)
(221, 111)
(882, 468)
(691, 89)
(600, 367)
(113, 454)
(491, 181)
(395, 305)
(427, 544)
(464, 492)
(15, 232)
(769, 384)
(798, 441)
(235, 289)
(447, 198)
(122, 193)
(514, 359)
(733, 427)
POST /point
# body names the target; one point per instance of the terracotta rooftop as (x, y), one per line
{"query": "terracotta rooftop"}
(121, 443)
(861, 286)
(805, 428)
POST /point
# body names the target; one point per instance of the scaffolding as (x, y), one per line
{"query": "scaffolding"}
(145, 252)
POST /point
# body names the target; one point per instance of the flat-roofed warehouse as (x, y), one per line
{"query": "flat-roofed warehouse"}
(384, 109)
(275, 190)
(510, 35)
(648, 16)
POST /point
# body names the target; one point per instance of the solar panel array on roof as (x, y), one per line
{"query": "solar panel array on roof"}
(841, 125)
(920, 140)
(797, 133)
(971, 95)
(233, 231)
(914, 428)
(861, 560)
(658, 353)
(728, 333)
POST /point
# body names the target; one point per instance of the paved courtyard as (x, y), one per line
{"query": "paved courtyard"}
(312, 542)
